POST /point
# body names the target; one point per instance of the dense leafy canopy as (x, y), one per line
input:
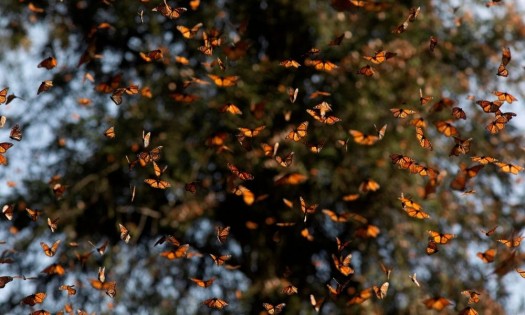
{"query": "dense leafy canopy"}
(339, 156)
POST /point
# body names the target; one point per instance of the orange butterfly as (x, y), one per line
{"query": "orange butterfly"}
(367, 231)
(238, 173)
(124, 233)
(222, 233)
(274, 309)
(461, 147)
(247, 195)
(366, 71)
(110, 132)
(203, 283)
(33, 214)
(33, 299)
(417, 213)
(402, 161)
(307, 209)
(504, 97)
(341, 245)
(402, 112)
(343, 264)
(424, 99)
(3, 94)
(363, 139)
(298, 133)
(488, 106)
(220, 260)
(168, 238)
(459, 113)
(177, 253)
(483, 159)
(285, 161)
(289, 290)
(69, 288)
(380, 56)
(381, 291)
(509, 168)
(361, 297)
(146, 157)
(468, 311)
(473, 296)
(189, 32)
(50, 251)
(4, 146)
(250, 133)
(329, 120)
(109, 287)
(291, 179)
(489, 232)
(497, 124)
(45, 86)
(369, 185)
(503, 71)
(48, 63)
(423, 141)
(321, 65)
(436, 303)
(432, 248)
(315, 148)
(215, 303)
(487, 256)
(334, 216)
(446, 128)
(338, 287)
(169, 12)
(505, 56)
(433, 43)
(514, 242)
(441, 104)
(152, 55)
(16, 133)
(54, 269)
(521, 272)
(157, 183)
(440, 238)
(223, 81)
(231, 108)
(287, 63)
(158, 171)
(183, 97)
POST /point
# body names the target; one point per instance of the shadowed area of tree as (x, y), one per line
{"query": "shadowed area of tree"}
(364, 142)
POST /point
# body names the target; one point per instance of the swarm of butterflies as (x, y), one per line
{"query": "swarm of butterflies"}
(322, 113)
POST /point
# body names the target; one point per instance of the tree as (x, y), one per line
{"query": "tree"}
(210, 92)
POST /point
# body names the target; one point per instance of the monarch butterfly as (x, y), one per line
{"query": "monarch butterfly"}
(110, 132)
(220, 260)
(473, 296)
(289, 290)
(156, 168)
(505, 56)
(168, 238)
(180, 252)
(401, 28)
(315, 148)
(69, 288)
(468, 311)
(50, 251)
(337, 40)
(321, 65)
(307, 209)
(292, 94)
(329, 120)
(380, 56)
(343, 264)
(194, 4)
(361, 297)
(109, 287)
(124, 233)
(504, 97)
(423, 141)
(48, 63)
(490, 232)
(273, 309)
(298, 133)
(222, 233)
(363, 139)
(509, 168)
(54, 269)
(367, 231)
(381, 291)
(102, 249)
(223, 81)
(416, 168)
(45, 86)
(4, 146)
(183, 97)
(407, 202)
(203, 283)
(433, 43)
(33, 214)
(317, 94)
(291, 179)
(269, 150)
(157, 183)
(459, 113)
(285, 161)
(250, 133)
(151, 156)
(503, 71)
(488, 106)
(3, 94)
(414, 279)
(215, 303)
(247, 195)
(152, 55)
(338, 287)
(341, 245)
(231, 108)
(238, 173)
(483, 159)
(446, 128)
(189, 32)
(306, 234)
(461, 147)
(440, 238)
(367, 71)
(417, 213)
(402, 112)
(334, 216)
(287, 63)
(33, 299)
(102, 274)
(497, 124)
(16, 133)
(402, 161)
(436, 303)
(7, 210)
(513, 242)
(5, 280)
(445, 102)
(169, 12)
(424, 99)
(110, 85)
(521, 272)
(369, 185)
(432, 248)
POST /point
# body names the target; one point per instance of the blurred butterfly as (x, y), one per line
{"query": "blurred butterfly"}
(247, 195)
(424, 99)
(489, 232)
(146, 157)
(487, 256)
(440, 238)
(521, 272)
(338, 287)
(230, 108)
(194, 4)
(402, 161)
(109, 287)
(442, 104)
(291, 179)
(285, 161)
(215, 303)
(321, 65)
(422, 170)
(50, 251)
(5, 280)
(54, 269)
(168, 11)
(361, 297)
(381, 291)
(33, 299)
(124, 233)
(110, 85)
(461, 147)
(157, 169)
(4, 146)
(497, 124)
(274, 309)
(289, 290)
(433, 43)
(102, 249)
(45, 86)
(363, 139)
(183, 97)
(414, 279)
(3, 94)
(167, 238)
(432, 247)
(509, 168)
(513, 242)
(505, 56)
(341, 245)
(368, 185)
(315, 148)
(458, 113)
(16, 133)
(337, 40)
(503, 71)
(189, 32)
(110, 132)
(402, 112)
(69, 288)
(157, 183)
(307, 208)
(343, 264)
(222, 233)
(203, 283)
(483, 159)
(250, 133)
(220, 260)
(292, 94)
(153, 55)
(488, 106)
(468, 311)
(102, 274)
(33, 214)
(329, 120)
(179, 252)
(367, 231)
(298, 133)
(241, 174)
(316, 303)
(423, 141)
(287, 63)
(504, 97)
(335, 216)
(48, 63)
(446, 128)
(317, 94)
(7, 210)
(367, 71)
(436, 303)
(380, 56)
(473, 296)
(223, 81)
